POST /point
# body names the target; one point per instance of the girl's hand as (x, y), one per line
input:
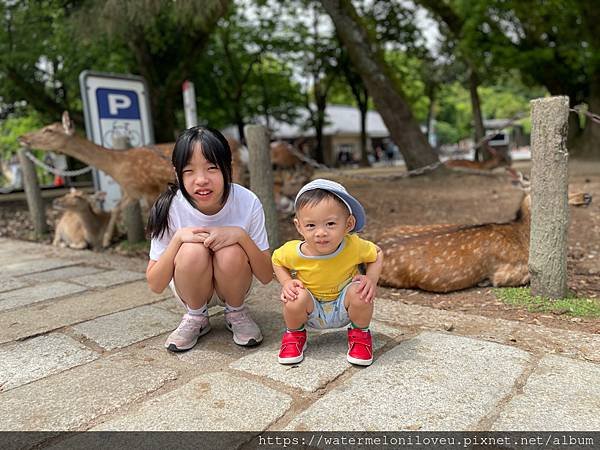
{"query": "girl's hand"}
(290, 290)
(191, 235)
(366, 288)
(218, 237)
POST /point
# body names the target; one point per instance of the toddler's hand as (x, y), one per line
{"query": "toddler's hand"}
(290, 290)
(366, 288)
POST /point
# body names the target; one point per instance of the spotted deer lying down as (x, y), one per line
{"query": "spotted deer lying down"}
(447, 257)
(83, 223)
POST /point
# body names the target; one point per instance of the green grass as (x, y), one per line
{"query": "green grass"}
(572, 306)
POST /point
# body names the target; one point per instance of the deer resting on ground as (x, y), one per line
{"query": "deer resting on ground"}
(495, 161)
(447, 257)
(82, 224)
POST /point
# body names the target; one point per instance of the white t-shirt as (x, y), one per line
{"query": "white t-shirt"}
(242, 209)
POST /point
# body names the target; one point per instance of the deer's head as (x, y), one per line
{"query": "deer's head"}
(75, 200)
(51, 137)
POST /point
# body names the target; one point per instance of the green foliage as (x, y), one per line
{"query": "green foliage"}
(572, 305)
(12, 128)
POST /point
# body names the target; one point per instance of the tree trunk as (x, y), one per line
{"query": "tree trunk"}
(261, 177)
(369, 63)
(34, 195)
(431, 97)
(480, 153)
(549, 185)
(588, 144)
(364, 154)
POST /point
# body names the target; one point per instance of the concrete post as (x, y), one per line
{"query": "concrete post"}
(132, 215)
(35, 202)
(549, 197)
(261, 177)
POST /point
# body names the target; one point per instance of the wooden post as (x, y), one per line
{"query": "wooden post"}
(549, 197)
(261, 177)
(35, 202)
(132, 215)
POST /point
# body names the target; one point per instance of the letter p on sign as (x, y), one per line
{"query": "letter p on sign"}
(117, 102)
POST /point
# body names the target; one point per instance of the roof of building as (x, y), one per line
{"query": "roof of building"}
(340, 120)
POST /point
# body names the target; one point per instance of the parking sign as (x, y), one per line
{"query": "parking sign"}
(115, 106)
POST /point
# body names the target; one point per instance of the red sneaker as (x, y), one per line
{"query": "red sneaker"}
(292, 348)
(360, 347)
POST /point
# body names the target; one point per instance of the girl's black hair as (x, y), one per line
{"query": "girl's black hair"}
(214, 148)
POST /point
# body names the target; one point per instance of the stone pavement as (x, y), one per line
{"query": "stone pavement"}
(81, 348)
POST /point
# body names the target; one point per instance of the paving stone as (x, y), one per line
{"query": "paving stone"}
(30, 360)
(127, 327)
(65, 273)
(324, 361)
(561, 394)
(110, 278)
(432, 382)
(210, 402)
(71, 399)
(534, 338)
(10, 283)
(35, 265)
(35, 294)
(40, 318)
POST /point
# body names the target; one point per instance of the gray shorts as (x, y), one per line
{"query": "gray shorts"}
(329, 313)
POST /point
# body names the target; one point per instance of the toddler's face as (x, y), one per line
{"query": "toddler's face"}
(204, 182)
(323, 226)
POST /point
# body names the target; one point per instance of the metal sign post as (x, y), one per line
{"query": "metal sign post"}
(189, 104)
(116, 108)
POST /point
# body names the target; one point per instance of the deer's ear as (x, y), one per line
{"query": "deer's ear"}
(68, 124)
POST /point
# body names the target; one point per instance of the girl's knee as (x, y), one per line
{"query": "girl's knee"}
(231, 259)
(192, 255)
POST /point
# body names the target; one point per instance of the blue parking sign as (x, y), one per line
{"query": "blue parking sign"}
(117, 104)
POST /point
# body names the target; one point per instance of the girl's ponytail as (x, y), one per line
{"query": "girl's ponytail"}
(158, 220)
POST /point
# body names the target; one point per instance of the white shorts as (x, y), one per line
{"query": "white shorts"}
(329, 313)
(214, 300)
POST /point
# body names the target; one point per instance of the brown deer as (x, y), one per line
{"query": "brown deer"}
(141, 172)
(82, 224)
(448, 257)
(495, 161)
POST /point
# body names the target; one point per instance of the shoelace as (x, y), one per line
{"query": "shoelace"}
(187, 324)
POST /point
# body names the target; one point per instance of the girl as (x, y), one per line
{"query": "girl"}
(208, 237)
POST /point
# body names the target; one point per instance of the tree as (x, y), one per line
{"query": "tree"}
(243, 74)
(387, 95)
(457, 29)
(553, 43)
(165, 40)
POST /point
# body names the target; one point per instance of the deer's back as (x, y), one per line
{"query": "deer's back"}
(452, 257)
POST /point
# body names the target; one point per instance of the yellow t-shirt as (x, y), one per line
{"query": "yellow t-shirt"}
(325, 276)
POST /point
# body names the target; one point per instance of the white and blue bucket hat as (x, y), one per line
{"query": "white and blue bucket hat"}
(339, 191)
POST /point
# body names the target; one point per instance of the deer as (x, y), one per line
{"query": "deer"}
(82, 224)
(495, 161)
(449, 257)
(141, 172)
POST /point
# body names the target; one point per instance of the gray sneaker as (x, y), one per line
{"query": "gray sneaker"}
(187, 333)
(244, 329)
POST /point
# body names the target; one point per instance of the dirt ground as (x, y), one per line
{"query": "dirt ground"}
(460, 199)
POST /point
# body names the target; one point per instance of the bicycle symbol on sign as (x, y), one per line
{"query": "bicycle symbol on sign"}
(122, 130)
